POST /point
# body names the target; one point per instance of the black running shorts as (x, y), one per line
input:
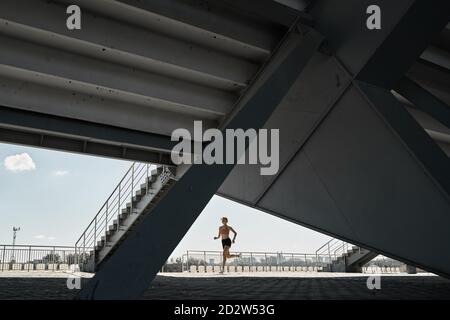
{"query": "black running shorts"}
(226, 243)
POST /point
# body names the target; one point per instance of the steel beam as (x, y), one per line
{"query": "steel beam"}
(188, 26)
(432, 78)
(29, 62)
(226, 18)
(124, 40)
(380, 57)
(268, 10)
(59, 133)
(418, 142)
(424, 100)
(129, 271)
(398, 51)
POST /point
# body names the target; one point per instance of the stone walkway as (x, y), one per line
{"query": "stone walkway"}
(242, 286)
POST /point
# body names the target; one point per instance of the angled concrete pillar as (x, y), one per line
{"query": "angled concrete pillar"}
(354, 163)
(130, 270)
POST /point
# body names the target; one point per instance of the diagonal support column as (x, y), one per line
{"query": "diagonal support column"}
(129, 272)
(425, 150)
(385, 70)
(365, 171)
(424, 100)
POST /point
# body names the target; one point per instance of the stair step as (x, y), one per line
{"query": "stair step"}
(123, 216)
(117, 228)
(142, 191)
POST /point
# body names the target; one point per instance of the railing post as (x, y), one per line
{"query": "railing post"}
(306, 263)
(265, 262)
(132, 185)
(106, 219)
(147, 181)
(29, 257)
(329, 253)
(293, 267)
(187, 261)
(3, 257)
(53, 259)
(84, 245)
(278, 261)
(75, 261)
(95, 238)
(118, 205)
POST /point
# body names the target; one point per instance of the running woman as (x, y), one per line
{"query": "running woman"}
(224, 233)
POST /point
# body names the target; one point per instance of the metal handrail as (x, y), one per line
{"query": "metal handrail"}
(327, 246)
(111, 208)
(333, 248)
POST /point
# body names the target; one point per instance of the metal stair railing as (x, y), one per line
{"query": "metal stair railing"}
(136, 175)
(333, 249)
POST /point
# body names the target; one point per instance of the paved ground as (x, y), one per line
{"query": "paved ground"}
(243, 286)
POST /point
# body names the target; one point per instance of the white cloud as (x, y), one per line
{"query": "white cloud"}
(61, 173)
(19, 162)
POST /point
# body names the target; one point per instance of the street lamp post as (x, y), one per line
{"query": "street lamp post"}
(14, 243)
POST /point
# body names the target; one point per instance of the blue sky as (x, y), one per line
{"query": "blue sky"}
(52, 196)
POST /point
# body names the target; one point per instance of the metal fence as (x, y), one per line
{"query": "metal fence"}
(211, 261)
(65, 258)
(31, 258)
(382, 264)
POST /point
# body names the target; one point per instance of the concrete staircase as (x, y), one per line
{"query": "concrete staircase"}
(136, 194)
(344, 257)
(351, 261)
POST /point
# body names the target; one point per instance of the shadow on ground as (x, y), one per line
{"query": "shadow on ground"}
(172, 288)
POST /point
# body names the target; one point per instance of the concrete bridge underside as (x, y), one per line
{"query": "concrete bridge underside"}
(363, 115)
